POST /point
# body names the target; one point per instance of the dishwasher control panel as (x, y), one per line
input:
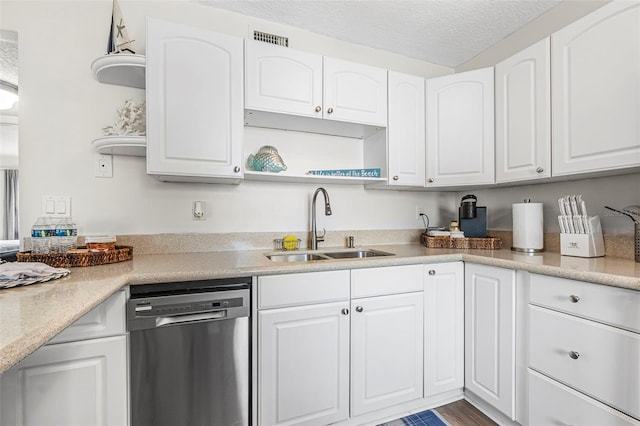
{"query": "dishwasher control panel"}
(151, 307)
(148, 312)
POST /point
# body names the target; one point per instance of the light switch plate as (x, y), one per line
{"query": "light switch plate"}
(56, 205)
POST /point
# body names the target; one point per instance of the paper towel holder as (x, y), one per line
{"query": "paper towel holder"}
(530, 251)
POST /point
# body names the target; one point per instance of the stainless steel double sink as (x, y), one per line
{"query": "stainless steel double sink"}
(330, 255)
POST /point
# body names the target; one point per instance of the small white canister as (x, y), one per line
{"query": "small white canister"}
(528, 227)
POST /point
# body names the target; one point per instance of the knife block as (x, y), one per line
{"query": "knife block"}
(584, 245)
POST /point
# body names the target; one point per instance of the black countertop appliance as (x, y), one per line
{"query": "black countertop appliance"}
(472, 219)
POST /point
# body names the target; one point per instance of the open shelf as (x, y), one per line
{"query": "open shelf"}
(120, 69)
(284, 177)
(135, 146)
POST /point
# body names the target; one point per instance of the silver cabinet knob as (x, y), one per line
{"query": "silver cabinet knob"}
(345, 311)
(432, 272)
(236, 169)
(430, 180)
(539, 170)
(318, 108)
(574, 355)
(359, 309)
(330, 110)
(574, 298)
(396, 177)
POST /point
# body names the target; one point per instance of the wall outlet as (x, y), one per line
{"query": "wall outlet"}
(199, 210)
(104, 166)
(419, 211)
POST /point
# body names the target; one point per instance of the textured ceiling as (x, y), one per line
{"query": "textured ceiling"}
(444, 32)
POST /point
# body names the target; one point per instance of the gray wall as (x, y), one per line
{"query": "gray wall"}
(614, 191)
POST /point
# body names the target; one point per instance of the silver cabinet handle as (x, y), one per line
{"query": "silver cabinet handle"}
(432, 272)
(345, 311)
(359, 309)
(318, 108)
(539, 170)
(574, 355)
(396, 177)
(330, 110)
(430, 180)
(574, 298)
(236, 169)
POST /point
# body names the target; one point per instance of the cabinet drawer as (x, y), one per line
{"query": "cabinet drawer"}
(386, 280)
(596, 359)
(106, 319)
(611, 305)
(302, 289)
(551, 403)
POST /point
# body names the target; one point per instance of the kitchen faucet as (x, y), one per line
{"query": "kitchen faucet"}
(315, 238)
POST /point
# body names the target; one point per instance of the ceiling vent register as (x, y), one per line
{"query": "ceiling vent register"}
(271, 38)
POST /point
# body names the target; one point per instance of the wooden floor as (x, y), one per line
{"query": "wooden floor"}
(461, 413)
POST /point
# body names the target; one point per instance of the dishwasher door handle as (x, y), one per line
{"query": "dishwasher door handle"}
(190, 318)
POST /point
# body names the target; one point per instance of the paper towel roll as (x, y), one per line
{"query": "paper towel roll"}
(528, 227)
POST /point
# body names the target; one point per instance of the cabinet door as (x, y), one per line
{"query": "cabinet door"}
(596, 91)
(460, 142)
(406, 145)
(444, 328)
(303, 365)
(523, 115)
(77, 383)
(386, 351)
(355, 92)
(194, 102)
(490, 335)
(282, 80)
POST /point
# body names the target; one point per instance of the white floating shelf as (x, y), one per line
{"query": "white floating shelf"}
(135, 146)
(120, 69)
(283, 177)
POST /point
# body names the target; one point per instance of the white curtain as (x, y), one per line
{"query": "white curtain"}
(10, 224)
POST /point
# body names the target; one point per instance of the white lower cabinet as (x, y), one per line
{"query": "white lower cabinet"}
(304, 364)
(386, 351)
(584, 348)
(81, 382)
(490, 340)
(444, 328)
(555, 404)
(323, 357)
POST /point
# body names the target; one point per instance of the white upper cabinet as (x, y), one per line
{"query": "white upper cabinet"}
(283, 80)
(596, 91)
(194, 103)
(355, 92)
(460, 141)
(407, 131)
(523, 115)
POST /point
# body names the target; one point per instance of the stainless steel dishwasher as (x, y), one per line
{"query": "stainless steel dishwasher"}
(189, 353)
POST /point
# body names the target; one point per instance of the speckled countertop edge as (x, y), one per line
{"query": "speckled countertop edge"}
(30, 316)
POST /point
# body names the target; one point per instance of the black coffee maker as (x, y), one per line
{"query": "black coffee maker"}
(472, 219)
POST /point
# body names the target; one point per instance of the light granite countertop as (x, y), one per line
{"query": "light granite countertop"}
(30, 316)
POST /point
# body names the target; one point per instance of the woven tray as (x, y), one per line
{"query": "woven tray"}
(488, 243)
(67, 260)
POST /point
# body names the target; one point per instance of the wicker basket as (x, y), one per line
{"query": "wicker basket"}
(69, 260)
(488, 243)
